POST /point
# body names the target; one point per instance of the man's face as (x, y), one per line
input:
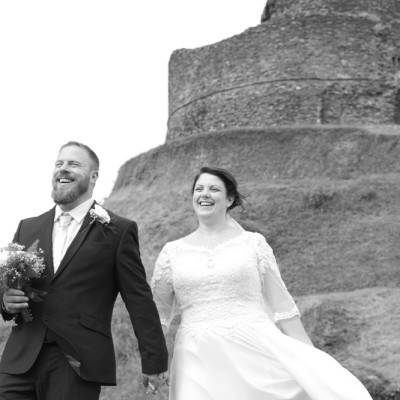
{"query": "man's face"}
(74, 177)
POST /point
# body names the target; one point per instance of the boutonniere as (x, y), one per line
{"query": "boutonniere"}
(100, 215)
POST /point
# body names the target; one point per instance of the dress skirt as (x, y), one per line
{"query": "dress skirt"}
(256, 361)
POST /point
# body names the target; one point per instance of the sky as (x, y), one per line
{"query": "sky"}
(95, 72)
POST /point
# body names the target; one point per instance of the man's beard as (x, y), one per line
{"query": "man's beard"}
(64, 195)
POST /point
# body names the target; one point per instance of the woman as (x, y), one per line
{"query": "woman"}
(240, 336)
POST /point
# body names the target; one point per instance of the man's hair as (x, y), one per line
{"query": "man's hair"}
(92, 154)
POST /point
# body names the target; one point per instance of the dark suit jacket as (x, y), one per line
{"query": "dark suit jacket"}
(101, 262)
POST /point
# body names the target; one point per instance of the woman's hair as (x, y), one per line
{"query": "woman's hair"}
(230, 183)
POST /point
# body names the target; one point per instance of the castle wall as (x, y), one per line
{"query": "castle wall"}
(308, 64)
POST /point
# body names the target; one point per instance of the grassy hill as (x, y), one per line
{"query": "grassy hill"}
(326, 198)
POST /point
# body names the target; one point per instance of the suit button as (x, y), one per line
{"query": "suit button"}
(45, 318)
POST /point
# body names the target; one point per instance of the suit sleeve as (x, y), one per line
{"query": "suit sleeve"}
(136, 293)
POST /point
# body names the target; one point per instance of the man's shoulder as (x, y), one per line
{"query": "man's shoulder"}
(38, 218)
(31, 228)
(120, 220)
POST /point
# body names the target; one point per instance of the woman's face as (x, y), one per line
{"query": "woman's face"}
(209, 197)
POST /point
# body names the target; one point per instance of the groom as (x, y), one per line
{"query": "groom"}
(91, 255)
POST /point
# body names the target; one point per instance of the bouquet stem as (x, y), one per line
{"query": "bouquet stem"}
(26, 315)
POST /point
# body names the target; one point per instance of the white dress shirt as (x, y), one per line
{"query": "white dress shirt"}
(78, 214)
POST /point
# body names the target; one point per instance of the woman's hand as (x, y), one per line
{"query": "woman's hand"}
(153, 382)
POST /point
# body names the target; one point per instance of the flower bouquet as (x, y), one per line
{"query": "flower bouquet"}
(18, 267)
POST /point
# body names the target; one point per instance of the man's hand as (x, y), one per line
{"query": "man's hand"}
(14, 301)
(152, 383)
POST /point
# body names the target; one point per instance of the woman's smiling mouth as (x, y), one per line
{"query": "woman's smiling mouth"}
(205, 203)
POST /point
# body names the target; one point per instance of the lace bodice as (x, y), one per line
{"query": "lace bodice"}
(237, 280)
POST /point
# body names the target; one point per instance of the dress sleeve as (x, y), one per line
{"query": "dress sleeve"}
(162, 287)
(276, 298)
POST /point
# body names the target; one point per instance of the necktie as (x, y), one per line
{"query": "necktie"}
(60, 239)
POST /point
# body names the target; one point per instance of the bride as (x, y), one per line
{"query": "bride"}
(240, 337)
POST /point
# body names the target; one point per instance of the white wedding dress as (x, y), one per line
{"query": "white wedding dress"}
(227, 346)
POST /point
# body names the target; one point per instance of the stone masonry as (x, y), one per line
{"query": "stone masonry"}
(312, 62)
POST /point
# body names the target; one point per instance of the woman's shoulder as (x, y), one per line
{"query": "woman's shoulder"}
(258, 240)
(173, 244)
(255, 236)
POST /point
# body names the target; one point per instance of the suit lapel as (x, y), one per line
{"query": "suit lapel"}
(46, 241)
(76, 243)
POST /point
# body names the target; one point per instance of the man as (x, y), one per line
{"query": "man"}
(66, 352)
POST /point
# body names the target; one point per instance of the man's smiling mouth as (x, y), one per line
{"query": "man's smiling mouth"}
(65, 180)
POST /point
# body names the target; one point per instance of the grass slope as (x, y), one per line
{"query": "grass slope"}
(327, 200)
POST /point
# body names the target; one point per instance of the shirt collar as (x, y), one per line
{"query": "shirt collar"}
(77, 213)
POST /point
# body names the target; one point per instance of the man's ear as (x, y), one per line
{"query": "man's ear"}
(94, 175)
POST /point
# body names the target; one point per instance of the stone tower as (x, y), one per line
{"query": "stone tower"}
(312, 62)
